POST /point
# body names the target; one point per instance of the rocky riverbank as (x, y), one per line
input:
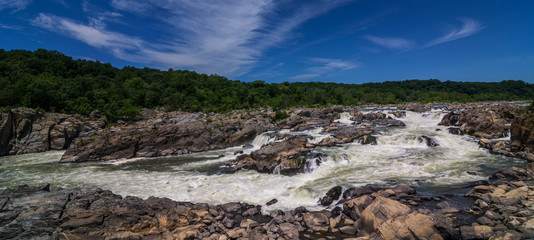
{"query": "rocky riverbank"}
(503, 209)
(491, 123)
(503, 206)
(178, 133)
(24, 130)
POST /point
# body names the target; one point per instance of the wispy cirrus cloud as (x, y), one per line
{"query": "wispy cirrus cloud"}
(10, 27)
(469, 27)
(324, 66)
(398, 44)
(88, 34)
(213, 36)
(15, 5)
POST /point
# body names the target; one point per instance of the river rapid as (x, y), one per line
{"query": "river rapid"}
(397, 158)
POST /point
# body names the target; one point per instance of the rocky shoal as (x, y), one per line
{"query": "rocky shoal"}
(503, 209)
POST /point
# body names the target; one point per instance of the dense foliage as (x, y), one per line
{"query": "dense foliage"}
(55, 82)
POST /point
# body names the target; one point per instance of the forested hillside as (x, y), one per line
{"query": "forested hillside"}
(54, 82)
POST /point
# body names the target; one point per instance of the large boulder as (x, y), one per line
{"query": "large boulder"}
(288, 155)
(391, 219)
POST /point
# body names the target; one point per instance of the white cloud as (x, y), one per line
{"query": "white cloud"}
(10, 27)
(87, 34)
(399, 44)
(16, 5)
(469, 27)
(323, 66)
(305, 76)
(213, 36)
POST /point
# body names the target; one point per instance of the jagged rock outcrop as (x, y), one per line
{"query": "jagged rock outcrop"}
(376, 118)
(485, 120)
(288, 155)
(173, 133)
(24, 130)
(429, 141)
(163, 134)
(345, 134)
(301, 119)
(416, 107)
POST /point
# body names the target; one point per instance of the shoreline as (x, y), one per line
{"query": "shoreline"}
(70, 214)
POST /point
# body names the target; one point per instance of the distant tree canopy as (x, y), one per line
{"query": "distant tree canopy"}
(55, 82)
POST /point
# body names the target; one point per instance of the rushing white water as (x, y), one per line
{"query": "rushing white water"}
(344, 118)
(398, 158)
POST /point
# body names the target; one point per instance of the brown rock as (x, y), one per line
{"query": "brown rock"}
(378, 212)
(316, 221)
(355, 207)
(476, 232)
(422, 226)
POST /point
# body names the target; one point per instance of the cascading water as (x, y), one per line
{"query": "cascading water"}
(397, 158)
(344, 118)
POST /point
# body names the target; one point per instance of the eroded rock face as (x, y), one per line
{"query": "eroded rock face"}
(26, 131)
(171, 133)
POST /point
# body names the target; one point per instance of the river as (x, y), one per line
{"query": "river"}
(397, 158)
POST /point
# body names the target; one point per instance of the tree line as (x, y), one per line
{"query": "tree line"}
(52, 81)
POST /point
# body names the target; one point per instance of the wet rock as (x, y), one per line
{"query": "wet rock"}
(455, 131)
(417, 107)
(404, 190)
(398, 114)
(247, 146)
(430, 142)
(369, 139)
(273, 201)
(332, 195)
(345, 134)
(377, 118)
(357, 192)
(289, 156)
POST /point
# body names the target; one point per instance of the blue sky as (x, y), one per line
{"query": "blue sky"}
(282, 40)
